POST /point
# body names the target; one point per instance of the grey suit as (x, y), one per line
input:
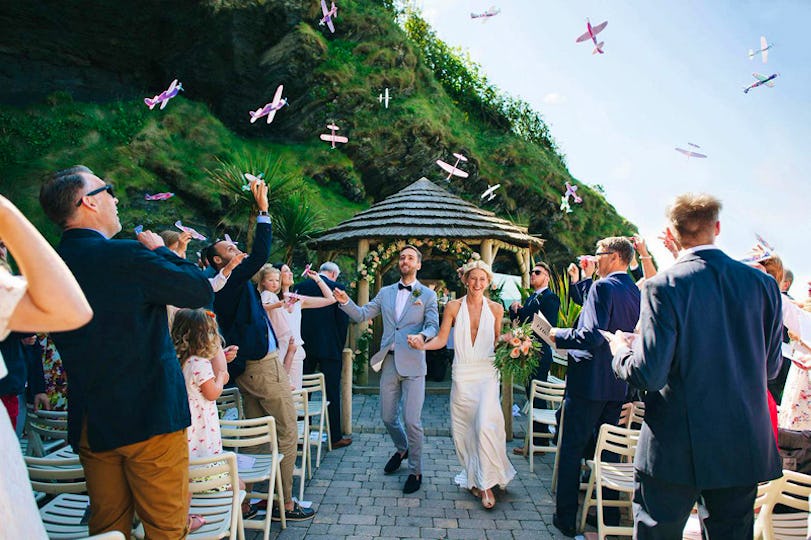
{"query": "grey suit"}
(711, 331)
(403, 368)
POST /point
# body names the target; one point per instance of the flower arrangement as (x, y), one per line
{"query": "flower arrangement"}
(517, 354)
(384, 253)
(362, 350)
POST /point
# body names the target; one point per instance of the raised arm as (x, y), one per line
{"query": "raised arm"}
(356, 313)
(53, 301)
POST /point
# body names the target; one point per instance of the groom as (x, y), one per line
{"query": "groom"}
(407, 308)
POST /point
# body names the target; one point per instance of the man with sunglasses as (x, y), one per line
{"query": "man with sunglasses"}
(546, 302)
(128, 407)
(594, 395)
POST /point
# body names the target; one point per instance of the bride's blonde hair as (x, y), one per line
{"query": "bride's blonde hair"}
(475, 262)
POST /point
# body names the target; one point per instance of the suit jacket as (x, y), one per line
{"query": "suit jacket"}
(710, 335)
(323, 330)
(612, 304)
(579, 291)
(420, 316)
(548, 304)
(242, 319)
(125, 378)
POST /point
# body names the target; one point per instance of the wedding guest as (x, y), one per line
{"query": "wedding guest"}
(128, 407)
(47, 299)
(324, 333)
(177, 242)
(268, 284)
(697, 329)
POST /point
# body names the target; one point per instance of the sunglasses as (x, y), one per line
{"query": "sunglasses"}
(106, 187)
(538, 272)
(603, 253)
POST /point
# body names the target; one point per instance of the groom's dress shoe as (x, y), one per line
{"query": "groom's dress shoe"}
(394, 462)
(412, 484)
(566, 531)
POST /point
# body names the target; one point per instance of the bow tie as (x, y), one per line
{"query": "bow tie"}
(400, 287)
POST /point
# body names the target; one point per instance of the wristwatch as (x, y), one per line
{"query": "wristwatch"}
(263, 213)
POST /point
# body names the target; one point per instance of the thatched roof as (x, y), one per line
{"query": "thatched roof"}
(424, 210)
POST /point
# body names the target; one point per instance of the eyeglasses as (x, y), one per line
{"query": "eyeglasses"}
(106, 187)
(603, 253)
(538, 272)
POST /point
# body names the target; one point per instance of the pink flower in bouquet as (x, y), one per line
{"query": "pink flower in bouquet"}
(515, 342)
(525, 346)
(515, 353)
(504, 337)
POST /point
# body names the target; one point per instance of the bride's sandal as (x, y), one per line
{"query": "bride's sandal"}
(475, 492)
(488, 499)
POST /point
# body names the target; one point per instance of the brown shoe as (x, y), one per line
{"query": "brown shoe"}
(519, 451)
(346, 441)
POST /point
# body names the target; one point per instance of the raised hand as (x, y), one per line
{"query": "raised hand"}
(670, 243)
(151, 240)
(233, 263)
(260, 194)
(574, 273)
(639, 245)
(230, 352)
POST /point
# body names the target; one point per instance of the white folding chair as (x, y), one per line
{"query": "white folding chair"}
(62, 516)
(552, 393)
(112, 535)
(47, 431)
(632, 414)
(792, 490)
(316, 386)
(305, 469)
(230, 399)
(606, 474)
(255, 468)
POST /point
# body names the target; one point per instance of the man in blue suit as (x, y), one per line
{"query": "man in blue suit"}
(710, 337)
(546, 302)
(260, 376)
(324, 333)
(594, 395)
(408, 308)
(128, 405)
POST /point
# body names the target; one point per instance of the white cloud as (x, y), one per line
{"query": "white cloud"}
(553, 98)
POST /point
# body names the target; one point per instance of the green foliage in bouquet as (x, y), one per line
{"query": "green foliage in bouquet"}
(517, 354)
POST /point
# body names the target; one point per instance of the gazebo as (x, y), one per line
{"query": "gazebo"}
(431, 216)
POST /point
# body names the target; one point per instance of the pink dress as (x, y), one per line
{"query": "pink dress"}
(204, 432)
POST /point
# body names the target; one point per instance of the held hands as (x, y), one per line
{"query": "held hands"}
(151, 240)
(340, 296)
(416, 341)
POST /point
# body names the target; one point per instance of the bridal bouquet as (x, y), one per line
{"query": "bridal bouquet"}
(517, 354)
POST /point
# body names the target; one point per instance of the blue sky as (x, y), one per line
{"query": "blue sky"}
(673, 72)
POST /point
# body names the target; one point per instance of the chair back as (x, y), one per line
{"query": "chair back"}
(230, 399)
(617, 440)
(633, 413)
(43, 426)
(550, 392)
(300, 400)
(54, 476)
(249, 432)
(314, 383)
(213, 473)
(791, 491)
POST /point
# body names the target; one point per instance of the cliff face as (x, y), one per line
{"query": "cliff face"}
(230, 56)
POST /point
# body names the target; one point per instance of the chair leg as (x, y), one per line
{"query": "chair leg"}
(600, 524)
(320, 438)
(587, 501)
(280, 494)
(555, 470)
(329, 431)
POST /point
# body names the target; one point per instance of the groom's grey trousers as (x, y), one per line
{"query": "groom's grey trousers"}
(393, 386)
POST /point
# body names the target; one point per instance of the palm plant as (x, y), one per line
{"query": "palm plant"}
(295, 222)
(239, 207)
(569, 310)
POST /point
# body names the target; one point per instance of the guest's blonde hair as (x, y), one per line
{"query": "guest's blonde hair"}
(194, 333)
(475, 263)
(263, 273)
(774, 267)
(693, 215)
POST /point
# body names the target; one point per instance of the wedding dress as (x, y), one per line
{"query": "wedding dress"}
(476, 419)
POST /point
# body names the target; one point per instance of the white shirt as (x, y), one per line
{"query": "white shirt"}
(402, 298)
(683, 253)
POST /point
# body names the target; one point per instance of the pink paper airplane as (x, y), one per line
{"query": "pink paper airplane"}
(691, 153)
(251, 178)
(591, 33)
(194, 234)
(159, 196)
(492, 12)
(329, 15)
(332, 137)
(452, 170)
(761, 80)
(228, 239)
(306, 269)
(571, 191)
(490, 193)
(270, 108)
(164, 97)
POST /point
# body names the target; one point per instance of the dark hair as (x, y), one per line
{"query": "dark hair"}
(544, 266)
(210, 252)
(58, 195)
(409, 246)
(619, 245)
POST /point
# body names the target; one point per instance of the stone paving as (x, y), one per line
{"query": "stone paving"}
(355, 500)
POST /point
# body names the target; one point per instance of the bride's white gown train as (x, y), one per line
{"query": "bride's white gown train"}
(476, 419)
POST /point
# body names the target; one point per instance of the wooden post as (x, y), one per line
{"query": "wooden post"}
(507, 405)
(346, 392)
(486, 251)
(363, 299)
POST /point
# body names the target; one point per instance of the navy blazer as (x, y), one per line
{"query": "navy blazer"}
(323, 330)
(612, 304)
(548, 304)
(711, 332)
(242, 319)
(125, 378)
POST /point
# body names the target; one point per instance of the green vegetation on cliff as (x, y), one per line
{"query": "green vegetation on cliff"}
(230, 56)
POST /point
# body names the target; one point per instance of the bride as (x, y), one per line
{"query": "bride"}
(476, 419)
